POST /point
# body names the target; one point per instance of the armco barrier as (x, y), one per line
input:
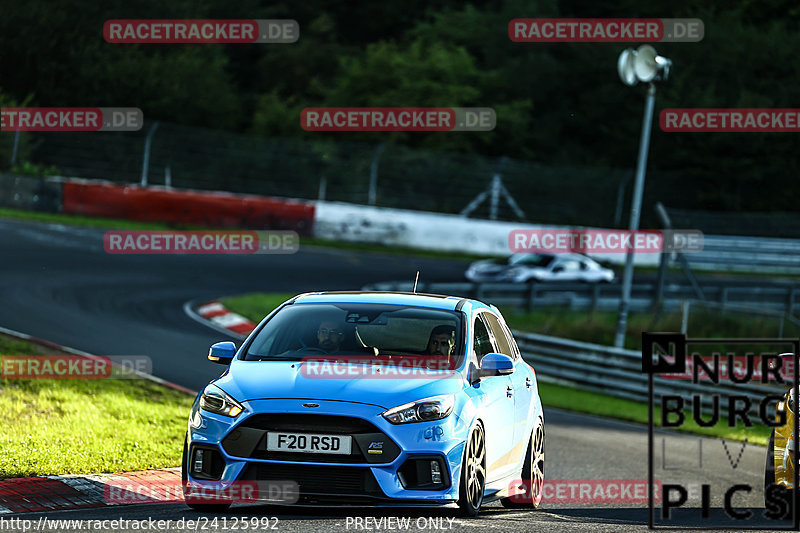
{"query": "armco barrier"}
(209, 209)
(25, 192)
(613, 371)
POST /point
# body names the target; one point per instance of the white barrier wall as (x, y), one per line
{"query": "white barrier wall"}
(429, 231)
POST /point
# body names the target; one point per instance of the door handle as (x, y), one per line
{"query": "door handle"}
(528, 382)
(509, 392)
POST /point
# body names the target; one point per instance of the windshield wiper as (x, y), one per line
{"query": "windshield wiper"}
(275, 357)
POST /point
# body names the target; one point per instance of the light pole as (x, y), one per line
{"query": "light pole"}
(633, 66)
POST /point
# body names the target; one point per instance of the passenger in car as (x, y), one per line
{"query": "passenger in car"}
(442, 340)
(329, 336)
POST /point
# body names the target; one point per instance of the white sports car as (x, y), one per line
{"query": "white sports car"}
(521, 268)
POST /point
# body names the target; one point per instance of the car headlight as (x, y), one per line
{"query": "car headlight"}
(433, 408)
(216, 400)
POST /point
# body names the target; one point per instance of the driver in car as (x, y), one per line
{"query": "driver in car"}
(329, 336)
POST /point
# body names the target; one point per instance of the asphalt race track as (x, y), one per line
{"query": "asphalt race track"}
(57, 283)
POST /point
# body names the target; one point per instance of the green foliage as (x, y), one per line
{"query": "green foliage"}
(25, 145)
(31, 169)
(556, 103)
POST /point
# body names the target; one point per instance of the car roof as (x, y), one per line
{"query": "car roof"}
(561, 256)
(431, 301)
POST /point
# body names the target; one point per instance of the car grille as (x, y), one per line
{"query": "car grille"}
(338, 425)
(248, 439)
(319, 480)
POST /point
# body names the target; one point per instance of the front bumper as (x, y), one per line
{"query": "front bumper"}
(397, 475)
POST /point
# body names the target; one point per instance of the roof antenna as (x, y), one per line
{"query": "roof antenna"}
(415, 283)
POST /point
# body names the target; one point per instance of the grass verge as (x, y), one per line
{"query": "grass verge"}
(593, 403)
(599, 327)
(81, 426)
(256, 306)
(74, 220)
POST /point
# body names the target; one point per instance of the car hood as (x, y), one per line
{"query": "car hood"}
(487, 265)
(259, 380)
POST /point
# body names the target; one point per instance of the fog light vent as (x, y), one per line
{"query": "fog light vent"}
(207, 463)
(198, 461)
(424, 473)
(436, 474)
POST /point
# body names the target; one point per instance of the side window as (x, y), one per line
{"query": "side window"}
(511, 340)
(481, 340)
(499, 334)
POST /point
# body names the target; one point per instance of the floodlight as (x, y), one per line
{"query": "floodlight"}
(633, 66)
(625, 67)
(648, 65)
(643, 64)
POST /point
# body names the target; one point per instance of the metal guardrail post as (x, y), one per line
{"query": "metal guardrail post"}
(661, 212)
(662, 272)
(685, 316)
(595, 297)
(690, 275)
(146, 157)
(530, 301)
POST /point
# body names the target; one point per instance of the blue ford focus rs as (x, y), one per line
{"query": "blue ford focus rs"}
(371, 398)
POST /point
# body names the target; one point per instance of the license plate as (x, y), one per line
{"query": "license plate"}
(309, 443)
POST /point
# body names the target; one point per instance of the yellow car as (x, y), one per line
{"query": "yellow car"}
(780, 463)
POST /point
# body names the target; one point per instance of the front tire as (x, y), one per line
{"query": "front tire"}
(532, 474)
(778, 501)
(473, 474)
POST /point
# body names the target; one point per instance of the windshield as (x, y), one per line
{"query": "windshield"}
(538, 260)
(373, 330)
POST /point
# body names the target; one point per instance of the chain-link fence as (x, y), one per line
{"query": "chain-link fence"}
(401, 176)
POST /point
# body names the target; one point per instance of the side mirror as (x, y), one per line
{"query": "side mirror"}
(222, 352)
(558, 269)
(496, 364)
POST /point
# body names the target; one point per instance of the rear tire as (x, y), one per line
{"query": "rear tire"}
(194, 502)
(532, 474)
(473, 474)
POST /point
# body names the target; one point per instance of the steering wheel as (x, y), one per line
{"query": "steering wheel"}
(313, 349)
